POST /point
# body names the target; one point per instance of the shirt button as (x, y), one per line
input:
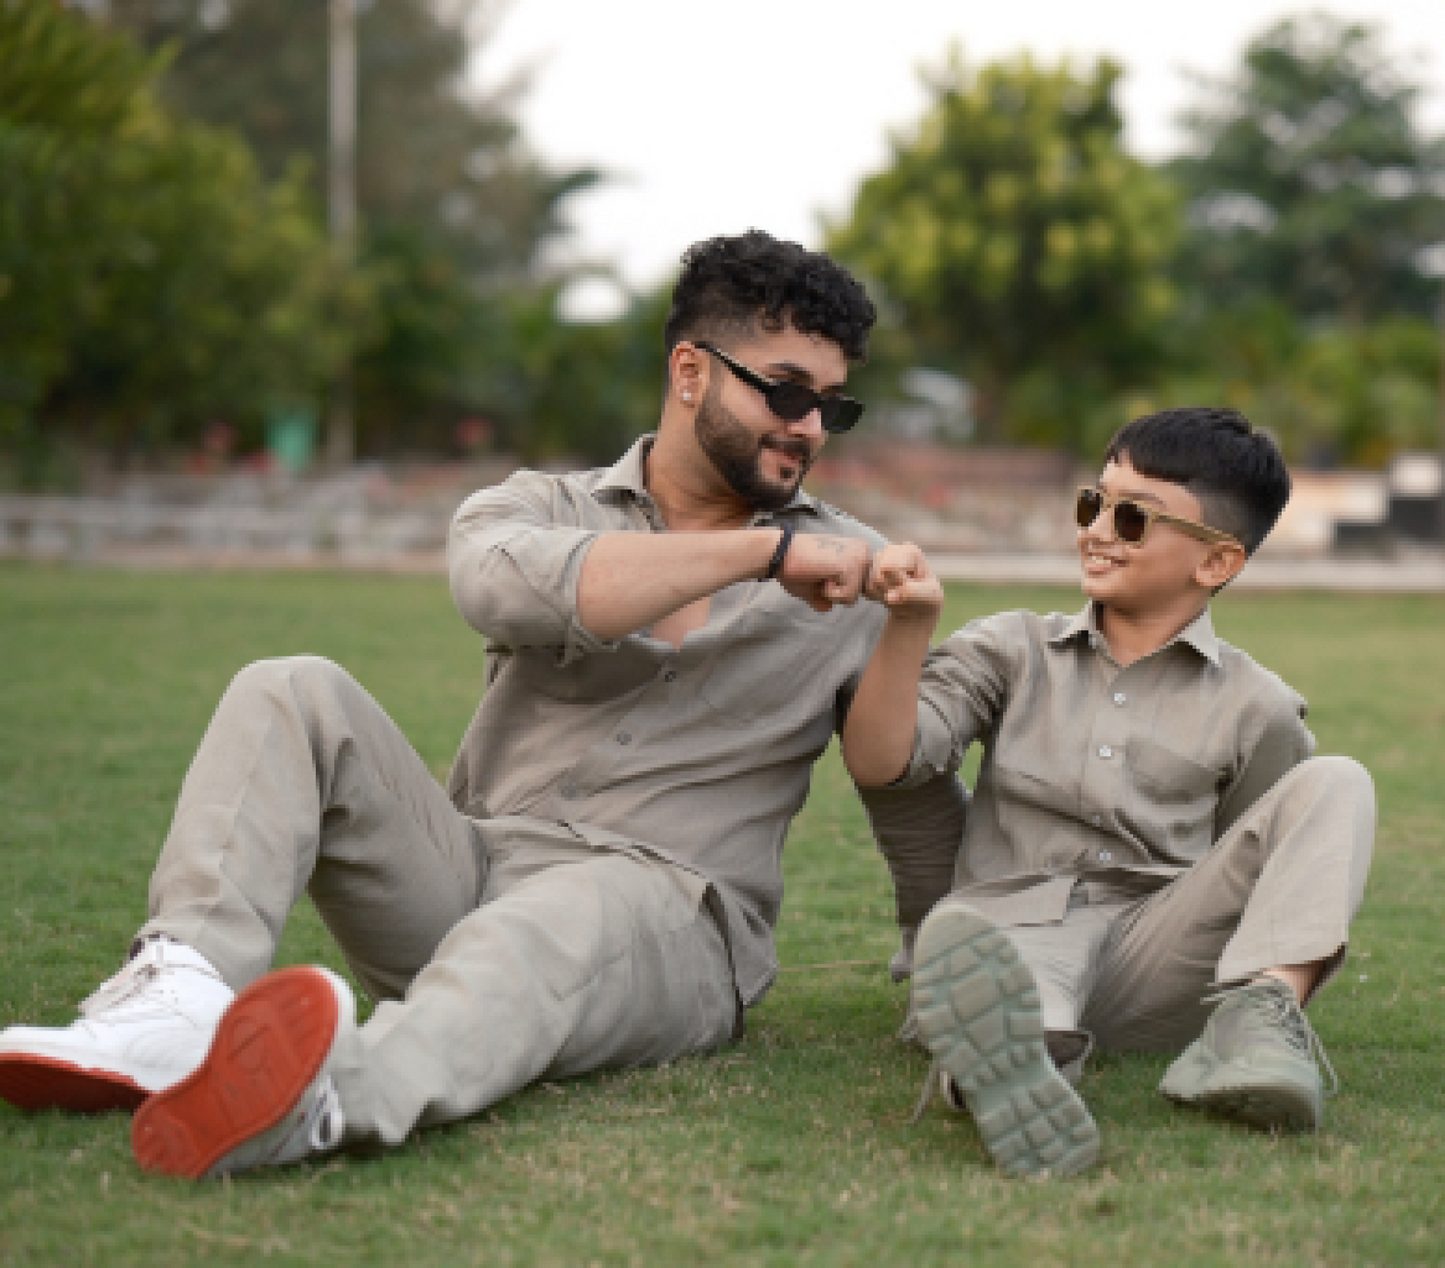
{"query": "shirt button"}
(1105, 856)
(569, 793)
(1105, 751)
(1096, 820)
(669, 675)
(1119, 697)
(624, 738)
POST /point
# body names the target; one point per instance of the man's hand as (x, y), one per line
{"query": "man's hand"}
(823, 571)
(899, 578)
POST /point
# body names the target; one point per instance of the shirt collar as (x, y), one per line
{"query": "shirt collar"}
(628, 476)
(1199, 633)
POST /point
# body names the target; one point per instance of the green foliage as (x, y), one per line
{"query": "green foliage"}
(581, 389)
(1332, 394)
(148, 275)
(456, 212)
(1310, 184)
(1011, 232)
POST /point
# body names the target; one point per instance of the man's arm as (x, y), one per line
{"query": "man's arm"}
(525, 580)
(631, 580)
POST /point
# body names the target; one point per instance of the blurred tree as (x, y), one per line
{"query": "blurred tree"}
(457, 215)
(148, 275)
(1012, 236)
(1309, 182)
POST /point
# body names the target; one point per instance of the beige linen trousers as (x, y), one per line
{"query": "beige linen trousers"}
(502, 951)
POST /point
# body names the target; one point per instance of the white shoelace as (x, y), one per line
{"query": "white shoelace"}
(135, 978)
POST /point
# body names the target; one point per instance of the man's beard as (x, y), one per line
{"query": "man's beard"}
(737, 455)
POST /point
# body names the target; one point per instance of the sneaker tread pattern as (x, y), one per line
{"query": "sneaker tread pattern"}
(269, 1046)
(978, 1013)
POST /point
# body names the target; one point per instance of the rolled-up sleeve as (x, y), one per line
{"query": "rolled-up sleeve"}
(962, 692)
(514, 570)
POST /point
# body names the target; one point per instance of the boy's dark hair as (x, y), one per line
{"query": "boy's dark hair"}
(734, 285)
(1236, 472)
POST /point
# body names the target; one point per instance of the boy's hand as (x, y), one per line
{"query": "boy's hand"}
(899, 578)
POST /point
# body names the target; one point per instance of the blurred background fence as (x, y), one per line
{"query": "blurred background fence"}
(181, 333)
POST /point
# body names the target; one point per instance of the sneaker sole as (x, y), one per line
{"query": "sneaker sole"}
(32, 1083)
(1268, 1108)
(270, 1045)
(978, 1013)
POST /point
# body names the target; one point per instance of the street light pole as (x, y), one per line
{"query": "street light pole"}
(341, 206)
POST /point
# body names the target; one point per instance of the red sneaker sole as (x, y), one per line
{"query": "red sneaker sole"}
(40, 1083)
(268, 1048)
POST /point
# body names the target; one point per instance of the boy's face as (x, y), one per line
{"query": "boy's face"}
(1168, 568)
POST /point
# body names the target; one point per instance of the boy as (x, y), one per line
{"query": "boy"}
(1152, 855)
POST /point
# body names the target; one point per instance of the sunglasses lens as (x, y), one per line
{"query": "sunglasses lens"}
(791, 400)
(840, 413)
(1130, 521)
(1086, 509)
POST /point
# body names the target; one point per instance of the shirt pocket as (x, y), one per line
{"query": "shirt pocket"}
(1170, 777)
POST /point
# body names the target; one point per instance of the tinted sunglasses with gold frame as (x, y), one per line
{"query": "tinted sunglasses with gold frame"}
(1132, 519)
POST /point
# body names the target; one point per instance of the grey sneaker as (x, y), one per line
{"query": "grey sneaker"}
(977, 1010)
(1257, 1060)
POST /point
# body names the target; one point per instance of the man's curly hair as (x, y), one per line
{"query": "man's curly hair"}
(736, 285)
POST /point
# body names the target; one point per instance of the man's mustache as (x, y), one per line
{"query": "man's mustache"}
(798, 450)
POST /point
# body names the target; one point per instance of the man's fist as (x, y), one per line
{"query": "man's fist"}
(899, 578)
(823, 571)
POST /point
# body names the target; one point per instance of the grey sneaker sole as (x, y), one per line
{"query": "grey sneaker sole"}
(1253, 1097)
(978, 1014)
(1270, 1108)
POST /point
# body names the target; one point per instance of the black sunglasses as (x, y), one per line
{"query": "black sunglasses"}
(793, 401)
(1131, 520)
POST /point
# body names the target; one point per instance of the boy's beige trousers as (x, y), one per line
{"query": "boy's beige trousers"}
(1281, 887)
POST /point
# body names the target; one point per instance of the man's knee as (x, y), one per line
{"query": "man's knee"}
(1341, 779)
(290, 674)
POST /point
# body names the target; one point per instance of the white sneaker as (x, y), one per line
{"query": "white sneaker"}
(143, 1030)
(264, 1095)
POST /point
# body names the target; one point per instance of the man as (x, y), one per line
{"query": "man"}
(672, 643)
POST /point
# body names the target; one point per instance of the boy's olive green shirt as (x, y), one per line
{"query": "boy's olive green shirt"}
(1128, 775)
(699, 755)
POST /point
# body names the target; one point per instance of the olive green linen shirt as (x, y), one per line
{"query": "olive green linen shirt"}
(1121, 775)
(699, 755)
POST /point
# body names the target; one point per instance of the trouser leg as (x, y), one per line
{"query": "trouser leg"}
(1064, 957)
(605, 962)
(302, 782)
(1280, 887)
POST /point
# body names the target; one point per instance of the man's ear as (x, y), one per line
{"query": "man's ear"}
(1221, 564)
(688, 368)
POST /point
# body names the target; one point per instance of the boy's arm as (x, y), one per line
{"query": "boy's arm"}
(1283, 743)
(883, 717)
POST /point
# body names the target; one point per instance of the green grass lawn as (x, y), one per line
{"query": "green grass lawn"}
(794, 1147)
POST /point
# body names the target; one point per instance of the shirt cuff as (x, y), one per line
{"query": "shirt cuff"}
(933, 749)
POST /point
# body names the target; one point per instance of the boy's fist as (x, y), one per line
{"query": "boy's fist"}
(899, 578)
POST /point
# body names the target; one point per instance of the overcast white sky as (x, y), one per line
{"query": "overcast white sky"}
(715, 117)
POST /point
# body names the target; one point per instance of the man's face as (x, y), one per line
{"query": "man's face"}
(1154, 574)
(763, 458)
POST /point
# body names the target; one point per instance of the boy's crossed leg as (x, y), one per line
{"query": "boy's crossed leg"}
(1207, 958)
